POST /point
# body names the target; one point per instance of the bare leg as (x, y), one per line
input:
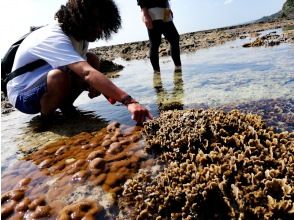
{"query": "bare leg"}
(63, 88)
(58, 87)
(77, 86)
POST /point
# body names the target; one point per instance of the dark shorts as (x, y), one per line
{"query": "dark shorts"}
(29, 101)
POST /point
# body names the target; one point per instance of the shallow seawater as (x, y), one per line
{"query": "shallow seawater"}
(227, 75)
(256, 80)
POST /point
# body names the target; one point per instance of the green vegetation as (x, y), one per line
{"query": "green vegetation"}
(286, 12)
(288, 9)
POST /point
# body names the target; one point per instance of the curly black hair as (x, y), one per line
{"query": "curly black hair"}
(77, 15)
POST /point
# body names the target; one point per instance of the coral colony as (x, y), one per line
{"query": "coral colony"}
(189, 164)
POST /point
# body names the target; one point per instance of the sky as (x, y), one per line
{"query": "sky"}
(16, 17)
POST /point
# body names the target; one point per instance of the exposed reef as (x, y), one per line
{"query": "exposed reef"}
(271, 39)
(193, 41)
(213, 165)
(194, 164)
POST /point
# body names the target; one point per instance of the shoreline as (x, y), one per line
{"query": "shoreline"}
(193, 41)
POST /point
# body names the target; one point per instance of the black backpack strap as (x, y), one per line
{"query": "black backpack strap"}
(26, 68)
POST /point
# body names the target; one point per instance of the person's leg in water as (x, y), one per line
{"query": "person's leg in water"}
(172, 35)
(154, 43)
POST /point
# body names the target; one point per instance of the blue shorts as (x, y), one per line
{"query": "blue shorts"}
(29, 101)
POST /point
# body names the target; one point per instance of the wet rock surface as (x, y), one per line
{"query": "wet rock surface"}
(271, 39)
(110, 68)
(6, 107)
(213, 165)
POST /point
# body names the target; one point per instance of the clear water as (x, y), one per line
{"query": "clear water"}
(218, 76)
(226, 75)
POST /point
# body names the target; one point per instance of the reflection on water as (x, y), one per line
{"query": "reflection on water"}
(28, 133)
(166, 101)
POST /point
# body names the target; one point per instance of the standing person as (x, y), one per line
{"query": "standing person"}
(70, 68)
(158, 18)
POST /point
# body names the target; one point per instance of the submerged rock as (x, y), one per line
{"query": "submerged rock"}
(73, 178)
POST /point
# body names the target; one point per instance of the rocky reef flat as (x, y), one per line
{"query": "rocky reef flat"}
(191, 42)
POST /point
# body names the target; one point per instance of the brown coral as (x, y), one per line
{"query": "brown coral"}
(214, 165)
(85, 209)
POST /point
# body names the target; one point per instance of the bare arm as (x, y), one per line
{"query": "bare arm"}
(102, 84)
(97, 80)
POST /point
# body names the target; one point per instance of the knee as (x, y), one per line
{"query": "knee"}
(59, 78)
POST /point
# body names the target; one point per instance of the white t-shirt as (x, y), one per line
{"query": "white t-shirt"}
(50, 44)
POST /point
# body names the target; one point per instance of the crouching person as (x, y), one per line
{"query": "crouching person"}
(69, 68)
